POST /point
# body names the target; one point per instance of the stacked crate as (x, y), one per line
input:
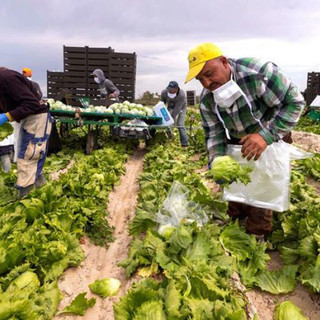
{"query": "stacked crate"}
(79, 63)
(191, 98)
(313, 86)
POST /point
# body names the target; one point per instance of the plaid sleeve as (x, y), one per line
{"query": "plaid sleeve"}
(215, 135)
(277, 91)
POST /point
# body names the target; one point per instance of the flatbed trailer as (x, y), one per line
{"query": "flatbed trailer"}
(92, 122)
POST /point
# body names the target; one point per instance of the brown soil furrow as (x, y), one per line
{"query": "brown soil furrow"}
(101, 262)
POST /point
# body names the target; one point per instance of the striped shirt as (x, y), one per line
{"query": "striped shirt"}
(276, 103)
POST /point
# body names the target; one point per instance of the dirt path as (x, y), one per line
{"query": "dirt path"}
(101, 262)
(265, 303)
(307, 141)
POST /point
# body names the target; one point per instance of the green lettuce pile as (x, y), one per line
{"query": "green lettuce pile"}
(40, 234)
(197, 275)
(297, 233)
(193, 269)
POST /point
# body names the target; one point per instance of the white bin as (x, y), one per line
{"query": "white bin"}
(161, 110)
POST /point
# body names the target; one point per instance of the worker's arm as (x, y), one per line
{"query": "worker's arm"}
(215, 136)
(179, 103)
(277, 91)
(23, 97)
(112, 88)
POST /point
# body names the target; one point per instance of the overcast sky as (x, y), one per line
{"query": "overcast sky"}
(287, 32)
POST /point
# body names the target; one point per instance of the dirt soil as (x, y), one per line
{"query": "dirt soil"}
(101, 262)
(265, 303)
(307, 141)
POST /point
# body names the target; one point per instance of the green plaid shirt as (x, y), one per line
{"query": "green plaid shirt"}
(275, 101)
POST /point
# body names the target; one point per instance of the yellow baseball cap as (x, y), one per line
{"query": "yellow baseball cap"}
(199, 55)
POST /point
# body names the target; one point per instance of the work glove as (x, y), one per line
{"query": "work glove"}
(3, 118)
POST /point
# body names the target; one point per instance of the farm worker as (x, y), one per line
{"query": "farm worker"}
(27, 72)
(19, 102)
(247, 102)
(175, 98)
(107, 87)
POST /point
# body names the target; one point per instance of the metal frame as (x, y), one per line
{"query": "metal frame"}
(74, 119)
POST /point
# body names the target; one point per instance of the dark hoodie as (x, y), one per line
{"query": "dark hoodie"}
(106, 86)
(17, 96)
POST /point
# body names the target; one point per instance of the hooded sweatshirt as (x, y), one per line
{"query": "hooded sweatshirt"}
(106, 86)
(17, 96)
(176, 104)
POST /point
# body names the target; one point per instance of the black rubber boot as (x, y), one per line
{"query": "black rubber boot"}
(41, 181)
(23, 192)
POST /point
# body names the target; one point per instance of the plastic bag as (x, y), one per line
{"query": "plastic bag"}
(270, 179)
(177, 208)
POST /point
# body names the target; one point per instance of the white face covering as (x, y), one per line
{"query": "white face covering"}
(96, 79)
(227, 94)
(172, 95)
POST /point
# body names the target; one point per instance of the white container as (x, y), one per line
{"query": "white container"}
(161, 110)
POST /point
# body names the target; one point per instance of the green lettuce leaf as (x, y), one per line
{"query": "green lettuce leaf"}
(310, 274)
(238, 242)
(151, 310)
(173, 300)
(105, 287)
(287, 310)
(200, 308)
(79, 305)
(138, 294)
(278, 281)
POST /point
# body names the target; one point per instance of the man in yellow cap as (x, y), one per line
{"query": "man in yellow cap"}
(27, 72)
(247, 102)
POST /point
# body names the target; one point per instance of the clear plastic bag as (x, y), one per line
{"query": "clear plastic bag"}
(270, 179)
(177, 208)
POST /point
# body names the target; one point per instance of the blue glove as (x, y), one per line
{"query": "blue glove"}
(3, 118)
(209, 165)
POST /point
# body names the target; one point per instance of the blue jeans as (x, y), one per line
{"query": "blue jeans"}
(180, 122)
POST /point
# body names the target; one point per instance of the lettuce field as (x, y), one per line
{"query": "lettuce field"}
(94, 242)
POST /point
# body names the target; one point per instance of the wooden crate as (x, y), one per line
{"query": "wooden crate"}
(80, 62)
(191, 98)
